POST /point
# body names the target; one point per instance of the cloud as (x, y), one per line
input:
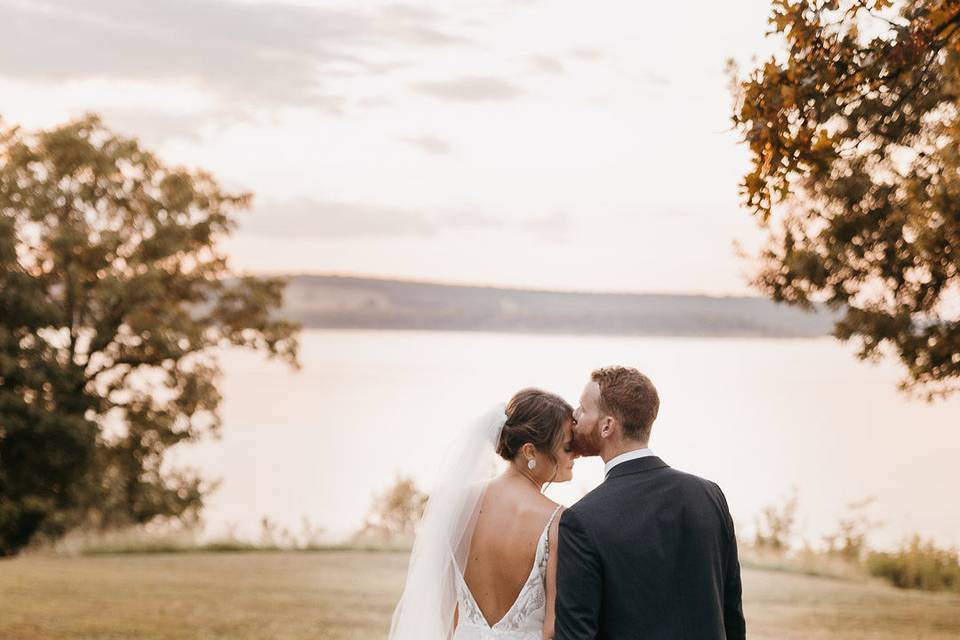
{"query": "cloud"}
(473, 220)
(152, 125)
(555, 225)
(430, 144)
(674, 212)
(655, 78)
(596, 55)
(374, 102)
(249, 54)
(330, 219)
(546, 64)
(587, 54)
(409, 11)
(470, 89)
(306, 217)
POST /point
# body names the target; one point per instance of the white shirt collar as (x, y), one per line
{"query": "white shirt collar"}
(624, 457)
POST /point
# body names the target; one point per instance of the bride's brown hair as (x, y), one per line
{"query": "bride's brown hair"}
(533, 416)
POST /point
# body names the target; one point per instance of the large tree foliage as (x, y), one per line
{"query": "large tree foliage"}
(853, 132)
(113, 299)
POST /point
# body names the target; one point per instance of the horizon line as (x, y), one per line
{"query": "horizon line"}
(476, 285)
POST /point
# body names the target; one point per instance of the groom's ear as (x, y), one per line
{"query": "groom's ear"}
(606, 428)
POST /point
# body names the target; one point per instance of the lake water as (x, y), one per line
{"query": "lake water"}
(758, 416)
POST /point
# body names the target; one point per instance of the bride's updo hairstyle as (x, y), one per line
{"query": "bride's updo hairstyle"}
(536, 417)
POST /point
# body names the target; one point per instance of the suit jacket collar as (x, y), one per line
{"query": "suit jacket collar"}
(639, 465)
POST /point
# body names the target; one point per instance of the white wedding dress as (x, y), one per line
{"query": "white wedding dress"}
(524, 619)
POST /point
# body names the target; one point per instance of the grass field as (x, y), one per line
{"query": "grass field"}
(350, 594)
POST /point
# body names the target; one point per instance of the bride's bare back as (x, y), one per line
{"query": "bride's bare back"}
(504, 546)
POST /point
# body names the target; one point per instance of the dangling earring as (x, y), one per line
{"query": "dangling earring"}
(531, 464)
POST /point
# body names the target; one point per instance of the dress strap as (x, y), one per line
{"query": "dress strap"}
(554, 515)
(546, 537)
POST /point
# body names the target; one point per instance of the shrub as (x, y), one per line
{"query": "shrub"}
(918, 564)
(849, 541)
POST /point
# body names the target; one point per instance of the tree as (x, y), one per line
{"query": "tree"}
(113, 298)
(850, 540)
(394, 514)
(776, 526)
(853, 136)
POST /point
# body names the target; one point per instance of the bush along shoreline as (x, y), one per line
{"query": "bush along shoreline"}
(916, 563)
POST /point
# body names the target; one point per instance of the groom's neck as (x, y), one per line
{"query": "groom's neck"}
(623, 447)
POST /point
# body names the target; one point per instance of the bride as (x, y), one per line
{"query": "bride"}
(484, 561)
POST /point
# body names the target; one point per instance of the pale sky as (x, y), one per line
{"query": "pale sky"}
(563, 145)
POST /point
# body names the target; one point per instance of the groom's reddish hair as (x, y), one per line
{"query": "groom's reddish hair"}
(630, 397)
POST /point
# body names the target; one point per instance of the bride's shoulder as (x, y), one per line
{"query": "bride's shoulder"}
(545, 508)
(552, 506)
(525, 503)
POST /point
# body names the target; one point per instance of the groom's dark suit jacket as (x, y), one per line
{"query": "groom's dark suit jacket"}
(649, 554)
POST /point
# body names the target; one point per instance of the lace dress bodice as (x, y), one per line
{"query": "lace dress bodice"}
(524, 619)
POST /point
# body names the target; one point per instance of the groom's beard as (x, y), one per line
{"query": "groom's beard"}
(587, 444)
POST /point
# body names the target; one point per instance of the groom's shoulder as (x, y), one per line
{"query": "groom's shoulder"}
(608, 492)
(693, 479)
(590, 501)
(695, 489)
(693, 482)
(686, 483)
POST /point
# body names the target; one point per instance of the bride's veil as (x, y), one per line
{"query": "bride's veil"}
(426, 608)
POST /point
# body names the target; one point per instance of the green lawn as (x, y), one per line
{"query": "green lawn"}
(349, 594)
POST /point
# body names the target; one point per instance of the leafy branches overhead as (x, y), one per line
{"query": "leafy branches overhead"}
(855, 171)
(113, 295)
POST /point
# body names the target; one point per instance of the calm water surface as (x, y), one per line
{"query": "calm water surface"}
(757, 416)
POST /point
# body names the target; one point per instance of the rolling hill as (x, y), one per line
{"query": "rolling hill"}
(322, 301)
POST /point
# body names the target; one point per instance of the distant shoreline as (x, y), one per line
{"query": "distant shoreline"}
(345, 302)
(567, 334)
(497, 287)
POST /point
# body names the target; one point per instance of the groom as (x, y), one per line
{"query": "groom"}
(651, 552)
